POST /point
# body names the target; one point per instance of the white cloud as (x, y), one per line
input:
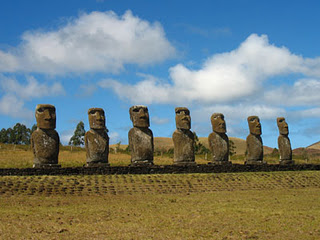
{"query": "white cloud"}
(16, 93)
(115, 138)
(307, 113)
(225, 77)
(302, 92)
(98, 41)
(12, 106)
(32, 89)
(238, 112)
(65, 136)
(148, 91)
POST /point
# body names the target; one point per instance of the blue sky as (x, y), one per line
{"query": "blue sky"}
(239, 58)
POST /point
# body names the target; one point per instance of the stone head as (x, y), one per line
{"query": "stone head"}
(283, 126)
(46, 116)
(254, 125)
(183, 119)
(218, 123)
(97, 119)
(139, 116)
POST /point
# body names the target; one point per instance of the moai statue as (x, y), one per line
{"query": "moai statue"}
(284, 144)
(254, 142)
(45, 140)
(183, 138)
(96, 139)
(218, 140)
(140, 137)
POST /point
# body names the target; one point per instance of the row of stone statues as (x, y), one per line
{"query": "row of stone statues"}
(45, 140)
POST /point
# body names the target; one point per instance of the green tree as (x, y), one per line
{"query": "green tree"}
(275, 153)
(199, 148)
(33, 128)
(21, 134)
(78, 136)
(4, 136)
(11, 136)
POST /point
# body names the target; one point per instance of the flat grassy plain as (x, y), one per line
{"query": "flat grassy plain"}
(273, 205)
(21, 156)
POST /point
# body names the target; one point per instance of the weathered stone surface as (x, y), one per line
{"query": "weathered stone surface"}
(96, 139)
(140, 137)
(218, 140)
(183, 138)
(284, 144)
(254, 142)
(45, 140)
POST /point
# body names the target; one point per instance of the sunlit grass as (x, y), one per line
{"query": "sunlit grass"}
(251, 214)
(21, 156)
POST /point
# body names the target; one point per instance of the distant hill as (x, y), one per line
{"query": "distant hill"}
(309, 151)
(314, 146)
(165, 143)
(312, 150)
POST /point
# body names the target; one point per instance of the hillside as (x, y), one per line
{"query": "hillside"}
(314, 146)
(239, 143)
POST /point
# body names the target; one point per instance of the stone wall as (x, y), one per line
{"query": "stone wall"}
(156, 169)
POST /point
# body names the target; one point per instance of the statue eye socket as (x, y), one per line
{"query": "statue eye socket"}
(136, 109)
(93, 112)
(40, 110)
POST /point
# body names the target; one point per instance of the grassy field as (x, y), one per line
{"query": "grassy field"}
(22, 157)
(273, 205)
(276, 205)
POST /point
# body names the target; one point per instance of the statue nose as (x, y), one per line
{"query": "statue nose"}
(142, 113)
(47, 115)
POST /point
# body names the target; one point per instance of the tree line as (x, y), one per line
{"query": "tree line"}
(19, 134)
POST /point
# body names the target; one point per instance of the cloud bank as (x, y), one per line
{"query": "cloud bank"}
(226, 77)
(16, 93)
(94, 42)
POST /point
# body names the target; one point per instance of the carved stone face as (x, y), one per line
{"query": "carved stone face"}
(97, 118)
(46, 116)
(283, 126)
(254, 125)
(218, 123)
(139, 116)
(183, 119)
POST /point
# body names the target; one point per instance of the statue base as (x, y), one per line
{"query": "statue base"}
(143, 163)
(38, 165)
(225, 163)
(185, 163)
(255, 162)
(286, 162)
(97, 164)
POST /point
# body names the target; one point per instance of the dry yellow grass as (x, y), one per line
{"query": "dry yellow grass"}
(20, 158)
(314, 146)
(261, 211)
(24, 159)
